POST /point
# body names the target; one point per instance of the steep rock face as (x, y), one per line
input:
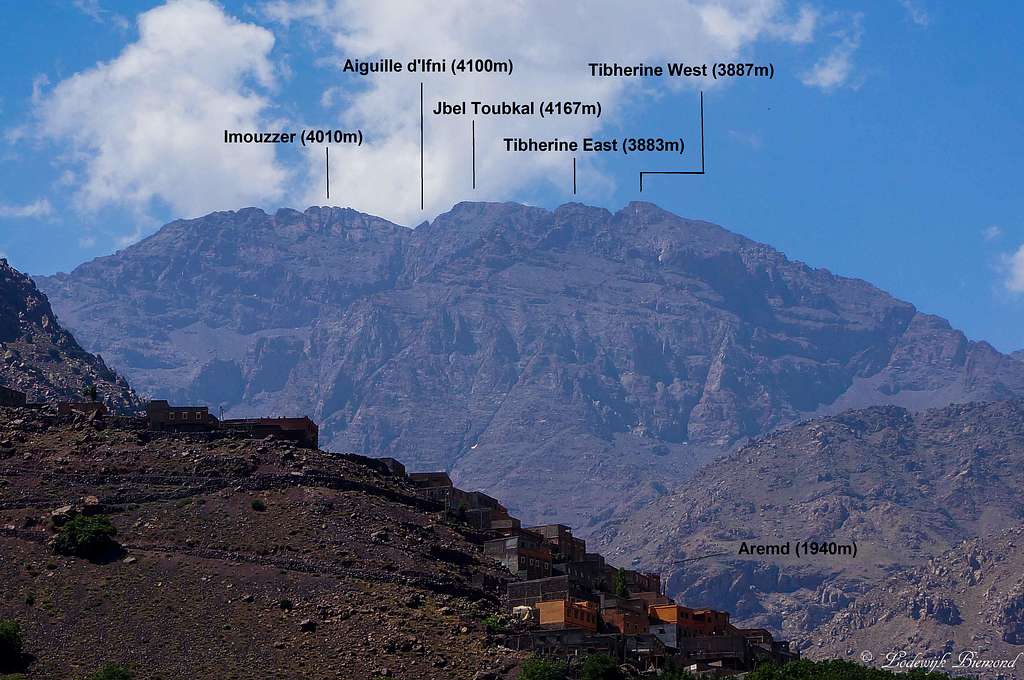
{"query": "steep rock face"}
(576, 362)
(40, 358)
(902, 487)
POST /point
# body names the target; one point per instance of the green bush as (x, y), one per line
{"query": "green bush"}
(494, 624)
(112, 672)
(676, 674)
(259, 506)
(539, 668)
(601, 667)
(88, 537)
(12, 643)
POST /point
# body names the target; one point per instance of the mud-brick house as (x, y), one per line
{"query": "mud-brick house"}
(524, 554)
(627, 616)
(564, 546)
(437, 487)
(84, 408)
(301, 430)
(673, 622)
(529, 593)
(568, 614)
(9, 397)
(394, 466)
(163, 417)
(592, 571)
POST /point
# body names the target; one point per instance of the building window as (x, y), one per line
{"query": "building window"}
(171, 415)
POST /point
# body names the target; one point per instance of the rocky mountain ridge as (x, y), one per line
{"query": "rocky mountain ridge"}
(902, 487)
(576, 362)
(967, 602)
(40, 358)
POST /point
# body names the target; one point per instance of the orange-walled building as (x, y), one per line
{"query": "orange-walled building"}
(568, 614)
(692, 622)
(625, 620)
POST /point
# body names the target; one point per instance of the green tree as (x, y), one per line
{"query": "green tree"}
(88, 537)
(539, 668)
(619, 584)
(601, 667)
(90, 392)
(12, 644)
(112, 672)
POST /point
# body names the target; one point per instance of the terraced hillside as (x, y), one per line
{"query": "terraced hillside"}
(239, 558)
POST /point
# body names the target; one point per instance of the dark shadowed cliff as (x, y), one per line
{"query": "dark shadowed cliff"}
(43, 360)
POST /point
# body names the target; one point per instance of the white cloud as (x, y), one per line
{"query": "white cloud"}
(36, 209)
(93, 10)
(751, 139)
(147, 127)
(550, 45)
(992, 232)
(916, 12)
(836, 68)
(87, 242)
(1015, 271)
(38, 84)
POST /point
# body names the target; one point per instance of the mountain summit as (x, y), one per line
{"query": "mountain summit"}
(572, 362)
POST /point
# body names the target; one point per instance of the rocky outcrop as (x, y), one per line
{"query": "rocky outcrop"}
(576, 362)
(40, 358)
(879, 491)
(968, 598)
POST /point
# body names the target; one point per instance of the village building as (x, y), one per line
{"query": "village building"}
(506, 524)
(89, 409)
(475, 508)
(525, 556)
(394, 466)
(565, 546)
(591, 571)
(627, 616)
(163, 417)
(9, 397)
(301, 430)
(530, 593)
(580, 614)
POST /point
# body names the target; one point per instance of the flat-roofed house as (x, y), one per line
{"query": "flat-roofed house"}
(526, 557)
(161, 416)
(85, 408)
(565, 547)
(627, 616)
(301, 429)
(568, 614)
(529, 593)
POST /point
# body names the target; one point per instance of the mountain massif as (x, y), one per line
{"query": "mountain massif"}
(904, 488)
(40, 358)
(575, 363)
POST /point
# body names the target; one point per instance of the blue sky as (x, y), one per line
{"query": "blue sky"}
(887, 147)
